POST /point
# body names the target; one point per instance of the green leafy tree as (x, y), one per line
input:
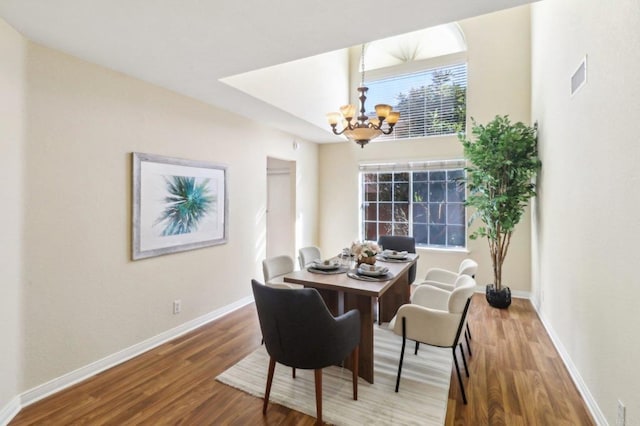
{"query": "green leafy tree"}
(503, 162)
(443, 103)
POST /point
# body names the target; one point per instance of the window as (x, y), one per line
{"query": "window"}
(427, 204)
(431, 102)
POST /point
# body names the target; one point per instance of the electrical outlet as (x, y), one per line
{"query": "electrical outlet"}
(177, 306)
(621, 414)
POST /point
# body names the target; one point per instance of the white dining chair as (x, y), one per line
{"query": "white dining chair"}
(446, 279)
(450, 280)
(435, 317)
(275, 268)
(306, 255)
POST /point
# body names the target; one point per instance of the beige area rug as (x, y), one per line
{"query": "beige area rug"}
(422, 399)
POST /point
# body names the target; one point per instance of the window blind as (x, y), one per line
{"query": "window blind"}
(413, 166)
(431, 102)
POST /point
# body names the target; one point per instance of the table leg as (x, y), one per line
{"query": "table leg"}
(364, 304)
(334, 300)
(397, 295)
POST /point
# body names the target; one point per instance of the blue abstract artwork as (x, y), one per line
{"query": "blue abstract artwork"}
(178, 205)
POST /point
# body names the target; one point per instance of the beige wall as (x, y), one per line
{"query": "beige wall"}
(586, 228)
(84, 298)
(12, 190)
(498, 78)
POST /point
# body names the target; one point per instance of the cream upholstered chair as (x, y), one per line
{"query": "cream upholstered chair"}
(274, 268)
(435, 317)
(446, 279)
(449, 280)
(306, 255)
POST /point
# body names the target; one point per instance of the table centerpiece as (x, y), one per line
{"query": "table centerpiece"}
(365, 251)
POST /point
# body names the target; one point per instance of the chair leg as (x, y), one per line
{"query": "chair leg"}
(469, 331)
(293, 372)
(355, 355)
(272, 367)
(318, 376)
(468, 345)
(404, 341)
(464, 360)
(417, 346)
(455, 361)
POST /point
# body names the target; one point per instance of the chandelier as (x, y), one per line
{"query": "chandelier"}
(363, 129)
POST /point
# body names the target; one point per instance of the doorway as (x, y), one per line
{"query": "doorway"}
(280, 207)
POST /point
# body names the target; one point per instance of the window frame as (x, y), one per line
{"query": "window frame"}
(411, 169)
(411, 67)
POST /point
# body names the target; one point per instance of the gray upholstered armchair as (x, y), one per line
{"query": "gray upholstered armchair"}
(300, 332)
(400, 243)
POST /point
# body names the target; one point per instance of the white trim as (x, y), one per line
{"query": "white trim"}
(29, 397)
(519, 294)
(82, 373)
(589, 400)
(413, 165)
(452, 59)
(443, 249)
(482, 289)
(9, 411)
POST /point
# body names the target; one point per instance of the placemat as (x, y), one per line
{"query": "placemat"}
(340, 270)
(386, 259)
(357, 276)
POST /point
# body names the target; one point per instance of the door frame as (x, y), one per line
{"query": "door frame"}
(277, 166)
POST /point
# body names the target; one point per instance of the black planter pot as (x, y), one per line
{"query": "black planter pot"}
(498, 299)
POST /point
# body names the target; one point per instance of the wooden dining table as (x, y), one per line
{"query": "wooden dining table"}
(342, 293)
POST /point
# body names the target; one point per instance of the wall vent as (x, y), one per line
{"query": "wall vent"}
(579, 77)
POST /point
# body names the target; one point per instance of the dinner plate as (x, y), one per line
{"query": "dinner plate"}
(392, 254)
(327, 265)
(372, 270)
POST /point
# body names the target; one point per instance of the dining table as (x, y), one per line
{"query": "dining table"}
(349, 290)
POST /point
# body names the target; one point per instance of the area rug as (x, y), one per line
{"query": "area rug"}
(422, 399)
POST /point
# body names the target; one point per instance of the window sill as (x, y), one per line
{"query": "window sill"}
(443, 250)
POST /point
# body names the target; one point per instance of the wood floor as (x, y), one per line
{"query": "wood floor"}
(516, 378)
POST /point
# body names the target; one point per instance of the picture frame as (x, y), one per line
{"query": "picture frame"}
(178, 205)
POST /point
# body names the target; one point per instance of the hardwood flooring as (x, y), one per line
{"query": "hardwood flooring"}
(516, 378)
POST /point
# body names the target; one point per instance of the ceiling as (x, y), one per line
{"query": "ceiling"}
(187, 46)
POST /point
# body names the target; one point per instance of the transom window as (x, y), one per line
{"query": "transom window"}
(425, 204)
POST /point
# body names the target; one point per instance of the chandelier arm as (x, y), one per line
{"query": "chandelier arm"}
(388, 131)
(335, 132)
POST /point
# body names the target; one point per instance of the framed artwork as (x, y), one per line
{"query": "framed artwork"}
(178, 205)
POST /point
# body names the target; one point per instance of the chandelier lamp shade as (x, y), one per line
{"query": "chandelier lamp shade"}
(362, 129)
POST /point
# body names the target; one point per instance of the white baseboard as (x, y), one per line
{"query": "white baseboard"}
(42, 391)
(9, 411)
(593, 407)
(73, 377)
(514, 293)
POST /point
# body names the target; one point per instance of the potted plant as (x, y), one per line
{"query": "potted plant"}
(502, 162)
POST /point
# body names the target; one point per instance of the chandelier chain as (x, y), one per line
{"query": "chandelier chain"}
(362, 65)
